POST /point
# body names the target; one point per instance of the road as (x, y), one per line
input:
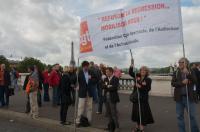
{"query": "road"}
(163, 109)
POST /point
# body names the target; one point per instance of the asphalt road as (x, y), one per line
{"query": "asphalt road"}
(163, 109)
(12, 125)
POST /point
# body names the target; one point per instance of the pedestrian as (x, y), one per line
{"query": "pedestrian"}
(32, 90)
(54, 82)
(73, 83)
(111, 85)
(86, 79)
(45, 75)
(14, 75)
(66, 100)
(184, 80)
(141, 112)
(4, 86)
(40, 77)
(30, 72)
(102, 74)
(95, 71)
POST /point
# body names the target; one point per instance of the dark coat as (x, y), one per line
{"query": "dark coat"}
(85, 88)
(177, 83)
(7, 78)
(65, 89)
(146, 117)
(73, 78)
(114, 82)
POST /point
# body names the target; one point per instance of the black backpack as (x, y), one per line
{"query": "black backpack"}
(84, 122)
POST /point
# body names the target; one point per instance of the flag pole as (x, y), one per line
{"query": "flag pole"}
(184, 55)
(138, 93)
(76, 97)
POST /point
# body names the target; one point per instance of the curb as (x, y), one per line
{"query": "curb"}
(48, 124)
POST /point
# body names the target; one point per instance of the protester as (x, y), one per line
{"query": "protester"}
(117, 72)
(40, 77)
(111, 84)
(54, 82)
(14, 75)
(4, 85)
(86, 79)
(30, 71)
(32, 89)
(141, 106)
(184, 80)
(73, 82)
(93, 69)
(45, 75)
(197, 74)
(100, 88)
(66, 100)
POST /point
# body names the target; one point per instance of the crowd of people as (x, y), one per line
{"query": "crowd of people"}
(97, 86)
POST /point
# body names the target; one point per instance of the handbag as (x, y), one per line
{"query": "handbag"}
(134, 97)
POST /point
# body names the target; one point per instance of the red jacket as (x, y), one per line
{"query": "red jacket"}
(45, 75)
(54, 78)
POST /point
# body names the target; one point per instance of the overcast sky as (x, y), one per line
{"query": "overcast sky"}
(44, 29)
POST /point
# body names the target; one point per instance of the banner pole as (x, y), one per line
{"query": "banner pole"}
(184, 55)
(138, 93)
(76, 98)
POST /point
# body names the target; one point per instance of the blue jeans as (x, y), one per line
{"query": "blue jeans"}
(95, 94)
(180, 106)
(55, 95)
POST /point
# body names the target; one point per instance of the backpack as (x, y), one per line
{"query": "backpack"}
(84, 122)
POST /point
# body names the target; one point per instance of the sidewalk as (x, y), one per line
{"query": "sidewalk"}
(163, 109)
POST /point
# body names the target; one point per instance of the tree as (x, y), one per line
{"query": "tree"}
(5, 61)
(29, 61)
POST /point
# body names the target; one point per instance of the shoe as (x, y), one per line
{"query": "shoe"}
(99, 113)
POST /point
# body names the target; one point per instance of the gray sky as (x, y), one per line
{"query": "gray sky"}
(44, 29)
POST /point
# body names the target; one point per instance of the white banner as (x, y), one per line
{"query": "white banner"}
(144, 24)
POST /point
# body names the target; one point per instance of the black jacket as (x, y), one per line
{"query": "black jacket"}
(177, 83)
(7, 78)
(114, 82)
(144, 90)
(65, 89)
(85, 88)
(73, 78)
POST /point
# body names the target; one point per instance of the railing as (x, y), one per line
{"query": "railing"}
(126, 84)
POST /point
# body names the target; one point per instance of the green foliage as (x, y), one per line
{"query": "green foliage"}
(29, 61)
(3, 60)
